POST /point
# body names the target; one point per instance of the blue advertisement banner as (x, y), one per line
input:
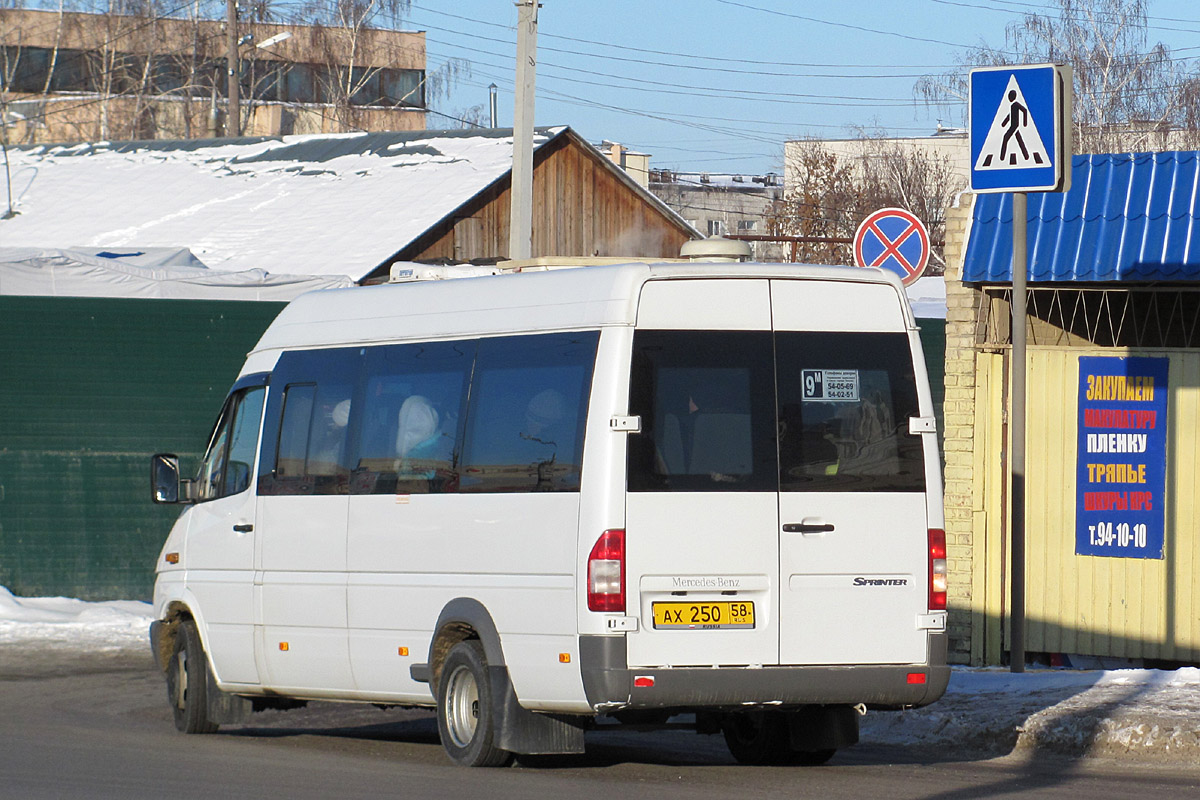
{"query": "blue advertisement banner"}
(1122, 457)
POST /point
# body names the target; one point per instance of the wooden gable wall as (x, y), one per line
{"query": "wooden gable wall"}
(580, 208)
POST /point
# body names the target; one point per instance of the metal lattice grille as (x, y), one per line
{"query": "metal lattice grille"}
(1089, 317)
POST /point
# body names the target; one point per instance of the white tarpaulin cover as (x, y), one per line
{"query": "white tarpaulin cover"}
(72, 273)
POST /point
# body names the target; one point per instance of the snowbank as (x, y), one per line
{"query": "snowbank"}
(112, 625)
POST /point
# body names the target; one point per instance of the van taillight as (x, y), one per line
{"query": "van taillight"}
(606, 573)
(937, 569)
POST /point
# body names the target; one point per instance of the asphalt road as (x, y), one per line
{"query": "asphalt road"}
(98, 726)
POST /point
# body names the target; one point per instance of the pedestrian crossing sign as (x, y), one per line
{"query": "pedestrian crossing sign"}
(1020, 128)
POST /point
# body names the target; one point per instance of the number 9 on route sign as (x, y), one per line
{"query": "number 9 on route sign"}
(893, 239)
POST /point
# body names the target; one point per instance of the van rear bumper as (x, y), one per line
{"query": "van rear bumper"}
(609, 682)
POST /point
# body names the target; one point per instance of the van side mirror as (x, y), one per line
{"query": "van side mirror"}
(164, 478)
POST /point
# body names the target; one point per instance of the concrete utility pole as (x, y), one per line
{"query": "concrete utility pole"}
(520, 234)
(233, 113)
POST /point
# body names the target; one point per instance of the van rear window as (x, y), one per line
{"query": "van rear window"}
(751, 411)
(706, 403)
(844, 404)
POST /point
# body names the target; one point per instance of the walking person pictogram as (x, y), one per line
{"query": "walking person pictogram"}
(1018, 117)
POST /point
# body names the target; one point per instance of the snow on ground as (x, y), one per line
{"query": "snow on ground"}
(1140, 713)
(1112, 713)
(62, 621)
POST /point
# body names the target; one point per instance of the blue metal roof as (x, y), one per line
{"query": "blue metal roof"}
(1132, 217)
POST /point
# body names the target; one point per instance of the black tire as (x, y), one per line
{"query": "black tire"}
(757, 737)
(187, 681)
(465, 709)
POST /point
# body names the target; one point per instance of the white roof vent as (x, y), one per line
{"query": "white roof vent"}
(716, 248)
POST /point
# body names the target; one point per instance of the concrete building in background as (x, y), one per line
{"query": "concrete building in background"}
(723, 204)
(949, 143)
(86, 77)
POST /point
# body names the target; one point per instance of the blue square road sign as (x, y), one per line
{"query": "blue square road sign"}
(1020, 124)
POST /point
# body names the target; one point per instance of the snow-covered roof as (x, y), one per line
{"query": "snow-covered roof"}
(337, 204)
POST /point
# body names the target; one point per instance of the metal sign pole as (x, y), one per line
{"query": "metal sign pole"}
(1016, 461)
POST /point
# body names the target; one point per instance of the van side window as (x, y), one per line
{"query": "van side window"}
(243, 441)
(706, 399)
(844, 404)
(293, 432)
(227, 466)
(307, 436)
(412, 413)
(528, 405)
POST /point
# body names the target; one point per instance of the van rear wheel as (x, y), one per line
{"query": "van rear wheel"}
(465, 709)
(757, 737)
(187, 681)
(762, 737)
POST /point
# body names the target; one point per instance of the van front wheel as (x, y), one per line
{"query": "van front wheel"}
(187, 681)
(465, 706)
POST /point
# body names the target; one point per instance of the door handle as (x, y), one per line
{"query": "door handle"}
(245, 527)
(806, 527)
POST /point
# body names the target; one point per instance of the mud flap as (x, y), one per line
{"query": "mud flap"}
(526, 732)
(822, 728)
(225, 708)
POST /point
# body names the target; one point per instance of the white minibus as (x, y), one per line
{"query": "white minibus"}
(554, 501)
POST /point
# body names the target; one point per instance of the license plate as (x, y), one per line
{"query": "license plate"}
(704, 616)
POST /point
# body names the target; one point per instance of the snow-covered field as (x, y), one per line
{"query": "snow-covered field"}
(1124, 712)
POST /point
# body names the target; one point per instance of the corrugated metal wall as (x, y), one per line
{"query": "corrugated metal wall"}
(89, 388)
(1123, 607)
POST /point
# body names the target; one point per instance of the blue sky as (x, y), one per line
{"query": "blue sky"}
(719, 85)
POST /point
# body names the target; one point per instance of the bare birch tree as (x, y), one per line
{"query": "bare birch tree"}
(830, 194)
(1129, 95)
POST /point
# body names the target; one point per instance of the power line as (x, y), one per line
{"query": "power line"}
(845, 25)
(694, 56)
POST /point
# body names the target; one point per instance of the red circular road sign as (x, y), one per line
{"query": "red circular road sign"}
(893, 239)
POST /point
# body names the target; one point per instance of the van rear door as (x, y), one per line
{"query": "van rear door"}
(776, 504)
(702, 551)
(853, 534)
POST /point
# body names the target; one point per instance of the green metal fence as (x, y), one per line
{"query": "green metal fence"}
(89, 388)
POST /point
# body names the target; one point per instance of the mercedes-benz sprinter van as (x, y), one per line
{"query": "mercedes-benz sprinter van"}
(547, 501)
